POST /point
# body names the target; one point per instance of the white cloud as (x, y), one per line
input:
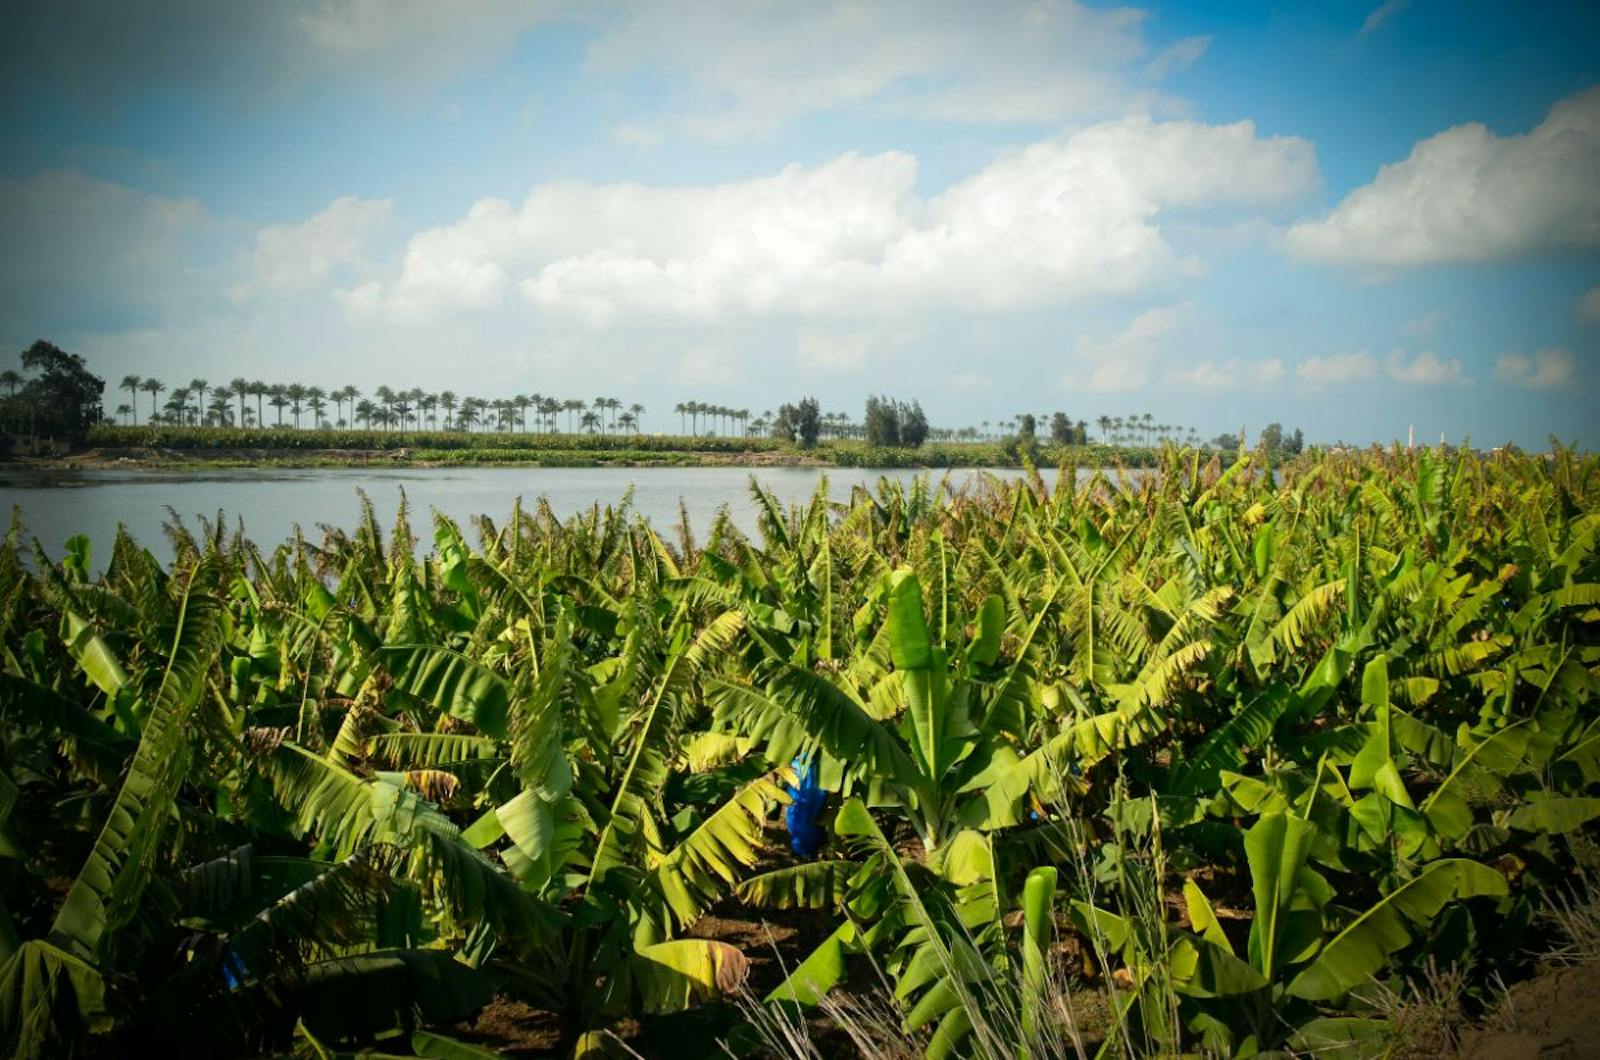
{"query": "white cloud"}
(1423, 326)
(969, 382)
(705, 365)
(1468, 195)
(1054, 222)
(311, 253)
(1546, 368)
(1122, 361)
(835, 354)
(1381, 14)
(1338, 368)
(1178, 56)
(1425, 369)
(79, 247)
(749, 68)
(1232, 374)
(404, 48)
(635, 135)
(1589, 306)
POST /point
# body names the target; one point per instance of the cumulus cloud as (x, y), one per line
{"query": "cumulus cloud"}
(117, 51)
(1056, 221)
(312, 252)
(1425, 369)
(1381, 14)
(1230, 374)
(1178, 56)
(1338, 368)
(834, 354)
(1467, 195)
(1589, 306)
(705, 365)
(78, 247)
(1546, 368)
(1422, 326)
(1122, 361)
(748, 68)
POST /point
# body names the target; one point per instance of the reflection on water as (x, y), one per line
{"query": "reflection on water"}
(272, 502)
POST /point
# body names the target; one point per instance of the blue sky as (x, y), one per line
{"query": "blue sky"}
(1354, 218)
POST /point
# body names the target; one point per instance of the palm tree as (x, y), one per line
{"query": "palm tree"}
(226, 394)
(124, 410)
(385, 397)
(296, 393)
(259, 390)
(177, 406)
(316, 400)
(447, 399)
(363, 410)
(590, 421)
(11, 379)
(280, 400)
(351, 396)
(153, 387)
(130, 383)
(198, 388)
(241, 389)
(220, 410)
(636, 410)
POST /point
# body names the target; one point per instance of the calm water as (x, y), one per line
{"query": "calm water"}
(273, 502)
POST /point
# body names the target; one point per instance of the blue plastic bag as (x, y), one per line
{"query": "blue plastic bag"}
(805, 806)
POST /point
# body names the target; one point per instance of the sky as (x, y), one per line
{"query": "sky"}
(1355, 218)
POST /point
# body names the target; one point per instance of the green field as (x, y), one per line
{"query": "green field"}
(1207, 761)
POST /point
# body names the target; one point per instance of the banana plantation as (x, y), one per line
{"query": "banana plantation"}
(1225, 759)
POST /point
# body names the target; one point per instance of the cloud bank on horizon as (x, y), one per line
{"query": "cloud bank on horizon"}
(993, 208)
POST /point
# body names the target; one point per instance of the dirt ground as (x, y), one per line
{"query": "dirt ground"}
(1555, 1016)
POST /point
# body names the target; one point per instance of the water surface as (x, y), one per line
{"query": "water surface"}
(272, 502)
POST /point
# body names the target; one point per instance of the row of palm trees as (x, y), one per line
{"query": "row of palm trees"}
(200, 404)
(1142, 428)
(243, 402)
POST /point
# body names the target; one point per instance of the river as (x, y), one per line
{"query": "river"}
(272, 502)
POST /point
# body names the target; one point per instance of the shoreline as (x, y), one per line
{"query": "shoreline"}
(150, 458)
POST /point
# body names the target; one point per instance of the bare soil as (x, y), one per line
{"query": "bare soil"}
(1555, 1016)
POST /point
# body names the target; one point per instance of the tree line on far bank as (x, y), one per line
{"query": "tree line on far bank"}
(56, 396)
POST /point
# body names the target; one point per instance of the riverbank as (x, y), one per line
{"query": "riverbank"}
(113, 447)
(146, 458)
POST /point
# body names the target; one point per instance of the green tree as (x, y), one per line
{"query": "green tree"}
(67, 395)
(785, 425)
(808, 421)
(882, 421)
(913, 426)
(1061, 431)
